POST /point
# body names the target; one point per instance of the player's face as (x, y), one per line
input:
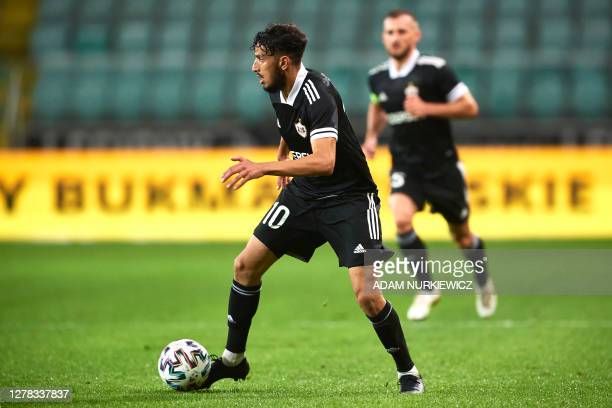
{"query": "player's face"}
(267, 68)
(400, 35)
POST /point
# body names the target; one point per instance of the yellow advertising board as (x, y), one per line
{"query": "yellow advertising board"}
(176, 195)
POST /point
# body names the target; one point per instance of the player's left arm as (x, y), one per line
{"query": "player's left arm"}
(464, 107)
(459, 100)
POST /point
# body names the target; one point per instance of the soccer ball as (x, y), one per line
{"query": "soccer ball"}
(184, 365)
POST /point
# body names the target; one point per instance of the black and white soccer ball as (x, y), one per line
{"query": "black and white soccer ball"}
(184, 365)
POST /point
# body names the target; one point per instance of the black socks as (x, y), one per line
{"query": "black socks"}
(243, 302)
(389, 330)
(411, 241)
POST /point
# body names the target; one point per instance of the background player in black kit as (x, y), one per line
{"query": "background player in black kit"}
(331, 198)
(417, 95)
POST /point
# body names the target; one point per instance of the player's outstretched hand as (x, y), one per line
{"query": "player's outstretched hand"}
(245, 170)
(369, 147)
(414, 105)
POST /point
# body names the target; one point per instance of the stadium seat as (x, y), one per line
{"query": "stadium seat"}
(217, 35)
(555, 34)
(92, 38)
(472, 77)
(430, 8)
(351, 83)
(54, 80)
(344, 35)
(504, 92)
(358, 99)
(510, 57)
(175, 35)
(512, 8)
(546, 96)
(596, 34)
(49, 38)
(305, 14)
(166, 98)
(248, 31)
(134, 36)
(248, 99)
(469, 33)
(220, 10)
(471, 8)
(591, 92)
(91, 87)
(266, 9)
(96, 10)
(595, 8)
(511, 32)
(430, 32)
(208, 92)
(180, 9)
(54, 9)
(129, 86)
(550, 8)
(139, 9)
(168, 75)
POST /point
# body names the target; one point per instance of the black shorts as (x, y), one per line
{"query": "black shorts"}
(446, 192)
(297, 227)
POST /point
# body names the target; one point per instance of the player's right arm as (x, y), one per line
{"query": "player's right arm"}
(376, 122)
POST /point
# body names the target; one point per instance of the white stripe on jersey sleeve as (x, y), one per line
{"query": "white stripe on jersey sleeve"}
(323, 130)
(323, 135)
(457, 92)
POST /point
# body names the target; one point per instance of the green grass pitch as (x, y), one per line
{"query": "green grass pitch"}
(95, 318)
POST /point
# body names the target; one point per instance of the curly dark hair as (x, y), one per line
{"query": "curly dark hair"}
(285, 39)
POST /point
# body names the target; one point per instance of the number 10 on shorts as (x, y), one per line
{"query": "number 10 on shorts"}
(276, 216)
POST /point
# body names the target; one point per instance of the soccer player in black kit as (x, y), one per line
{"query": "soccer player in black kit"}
(331, 198)
(417, 95)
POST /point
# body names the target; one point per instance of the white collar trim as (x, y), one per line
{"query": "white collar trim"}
(395, 73)
(297, 85)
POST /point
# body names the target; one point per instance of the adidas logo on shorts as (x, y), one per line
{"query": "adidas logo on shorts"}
(359, 249)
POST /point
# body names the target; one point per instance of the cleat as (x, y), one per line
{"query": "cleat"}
(486, 300)
(218, 371)
(411, 384)
(422, 304)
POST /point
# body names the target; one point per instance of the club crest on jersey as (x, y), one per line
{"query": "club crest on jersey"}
(301, 129)
(382, 97)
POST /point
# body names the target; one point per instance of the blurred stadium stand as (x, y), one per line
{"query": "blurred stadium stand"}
(177, 72)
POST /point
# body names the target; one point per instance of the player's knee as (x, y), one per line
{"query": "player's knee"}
(242, 273)
(370, 303)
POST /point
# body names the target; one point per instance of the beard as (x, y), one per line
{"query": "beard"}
(400, 55)
(277, 83)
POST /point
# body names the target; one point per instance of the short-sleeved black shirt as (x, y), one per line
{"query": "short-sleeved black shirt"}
(423, 144)
(314, 110)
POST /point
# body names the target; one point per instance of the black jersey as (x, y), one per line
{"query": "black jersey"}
(314, 110)
(420, 143)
